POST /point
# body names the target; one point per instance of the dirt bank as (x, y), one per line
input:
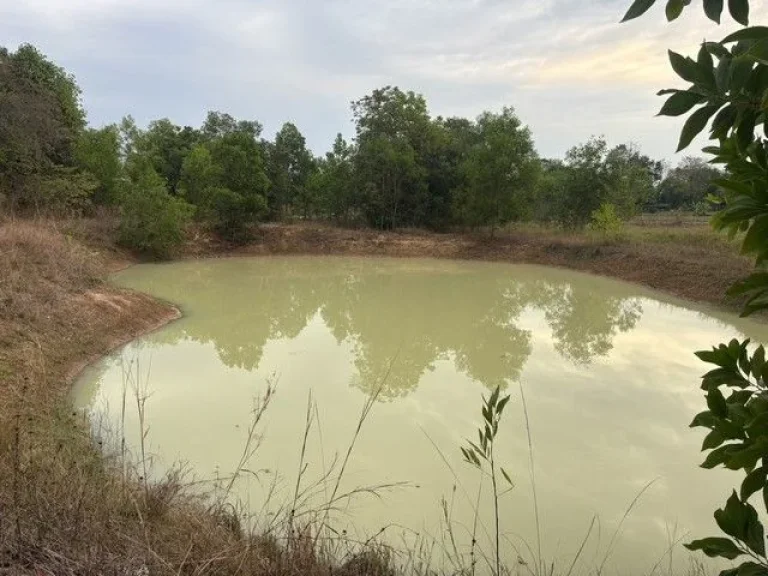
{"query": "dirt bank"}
(692, 270)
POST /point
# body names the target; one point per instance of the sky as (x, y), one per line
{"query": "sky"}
(568, 67)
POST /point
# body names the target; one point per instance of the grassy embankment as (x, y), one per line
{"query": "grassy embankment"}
(66, 509)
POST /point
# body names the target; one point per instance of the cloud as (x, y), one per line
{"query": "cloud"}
(567, 66)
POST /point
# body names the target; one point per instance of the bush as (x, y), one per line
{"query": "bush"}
(233, 212)
(153, 221)
(606, 221)
(702, 208)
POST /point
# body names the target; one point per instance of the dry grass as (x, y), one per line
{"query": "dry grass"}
(65, 506)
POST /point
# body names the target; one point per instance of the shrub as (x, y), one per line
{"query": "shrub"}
(702, 208)
(153, 221)
(233, 212)
(606, 221)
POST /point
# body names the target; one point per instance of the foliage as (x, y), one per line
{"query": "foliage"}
(585, 185)
(153, 220)
(728, 82)
(290, 166)
(233, 212)
(98, 152)
(66, 191)
(606, 221)
(333, 182)
(500, 171)
(632, 178)
(391, 126)
(690, 183)
(40, 121)
(199, 174)
(482, 456)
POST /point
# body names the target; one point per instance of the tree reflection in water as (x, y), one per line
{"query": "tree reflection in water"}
(419, 311)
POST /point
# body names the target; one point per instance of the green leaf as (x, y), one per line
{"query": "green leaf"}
(695, 124)
(502, 403)
(674, 9)
(759, 52)
(723, 74)
(706, 68)
(716, 403)
(724, 121)
(494, 397)
(739, 10)
(753, 482)
(758, 361)
(718, 456)
(717, 49)
(716, 548)
(684, 67)
(680, 103)
(755, 532)
(755, 281)
(704, 420)
(740, 70)
(713, 9)
(506, 477)
(733, 518)
(751, 33)
(486, 414)
(756, 237)
(712, 440)
(752, 569)
(638, 8)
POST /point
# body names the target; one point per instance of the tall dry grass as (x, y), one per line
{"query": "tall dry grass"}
(67, 507)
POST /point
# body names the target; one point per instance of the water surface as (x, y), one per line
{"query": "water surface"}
(606, 368)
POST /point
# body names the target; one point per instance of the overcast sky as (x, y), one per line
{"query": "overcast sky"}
(567, 66)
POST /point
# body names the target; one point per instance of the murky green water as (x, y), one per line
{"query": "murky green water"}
(606, 367)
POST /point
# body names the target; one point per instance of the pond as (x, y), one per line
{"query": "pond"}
(606, 370)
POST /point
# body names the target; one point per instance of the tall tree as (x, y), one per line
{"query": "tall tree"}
(392, 129)
(290, 166)
(689, 183)
(98, 152)
(501, 172)
(632, 178)
(40, 122)
(334, 182)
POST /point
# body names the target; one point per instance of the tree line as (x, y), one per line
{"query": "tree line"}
(403, 168)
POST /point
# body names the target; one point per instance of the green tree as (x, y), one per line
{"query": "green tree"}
(40, 122)
(225, 176)
(167, 144)
(290, 166)
(152, 220)
(392, 128)
(586, 185)
(501, 172)
(632, 179)
(689, 183)
(727, 84)
(199, 175)
(98, 153)
(31, 65)
(334, 182)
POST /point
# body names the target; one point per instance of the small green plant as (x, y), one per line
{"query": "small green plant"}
(738, 440)
(152, 221)
(702, 208)
(481, 456)
(606, 222)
